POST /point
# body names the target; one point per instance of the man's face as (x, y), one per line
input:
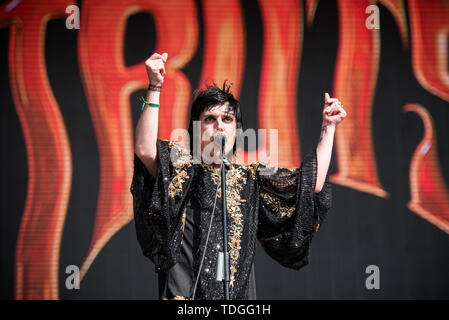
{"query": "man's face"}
(214, 121)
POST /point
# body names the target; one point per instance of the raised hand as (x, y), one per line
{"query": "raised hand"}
(155, 66)
(333, 111)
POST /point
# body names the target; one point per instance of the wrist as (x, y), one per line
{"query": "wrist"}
(155, 87)
(327, 131)
(329, 126)
(153, 96)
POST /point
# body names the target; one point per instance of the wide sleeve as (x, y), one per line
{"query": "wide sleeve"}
(290, 212)
(159, 202)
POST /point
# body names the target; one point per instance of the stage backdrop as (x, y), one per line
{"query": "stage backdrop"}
(69, 108)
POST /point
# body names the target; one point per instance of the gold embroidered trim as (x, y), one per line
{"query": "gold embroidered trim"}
(276, 205)
(272, 202)
(235, 179)
(182, 161)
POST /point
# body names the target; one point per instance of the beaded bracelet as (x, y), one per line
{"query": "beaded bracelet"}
(144, 102)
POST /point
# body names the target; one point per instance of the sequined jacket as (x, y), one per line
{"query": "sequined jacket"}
(276, 206)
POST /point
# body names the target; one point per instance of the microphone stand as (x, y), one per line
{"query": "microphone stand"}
(225, 233)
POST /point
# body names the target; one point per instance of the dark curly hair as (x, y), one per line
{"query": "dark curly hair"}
(213, 95)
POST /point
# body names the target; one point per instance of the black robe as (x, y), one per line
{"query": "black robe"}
(172, 211)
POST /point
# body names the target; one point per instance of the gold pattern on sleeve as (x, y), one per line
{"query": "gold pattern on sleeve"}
(273, 202)
(182, 161)
(276, 205)
(264, 168)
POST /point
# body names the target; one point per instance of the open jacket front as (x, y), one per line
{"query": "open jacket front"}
(172, 211)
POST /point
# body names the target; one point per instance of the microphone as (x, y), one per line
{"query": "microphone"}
(221, 138)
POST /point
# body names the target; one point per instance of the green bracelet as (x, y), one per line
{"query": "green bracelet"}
(144, 102)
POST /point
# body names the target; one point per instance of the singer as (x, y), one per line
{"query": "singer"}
(177, 201)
